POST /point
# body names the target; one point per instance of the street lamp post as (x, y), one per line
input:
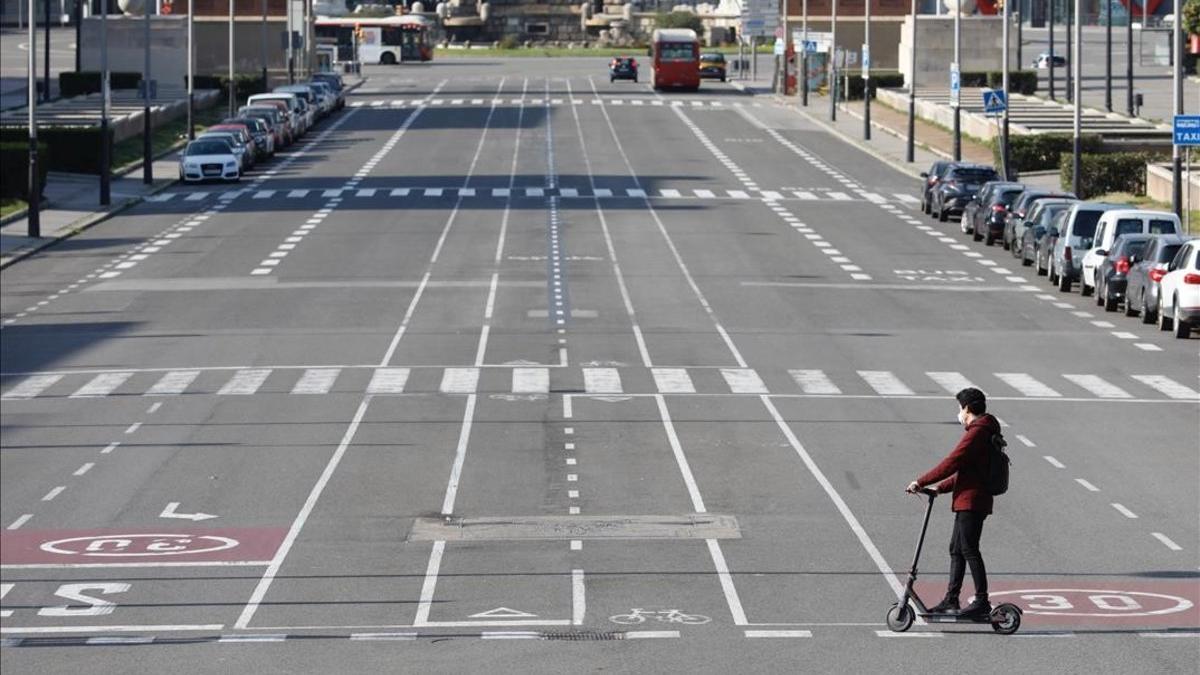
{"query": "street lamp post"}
(1004, 154)
(191, 76)
(1177, 99)
(910, 149)
(147, 149)
(955, 74)
(866, 70)
(46, 59)
(833, 65)
(1070, 52)
(1108, 55)
(1077, 127)
(77, 17)
(262, 38)
(232, 83)
(804, 59)
(105, 99)
(34, 219)
(1051, 34)
(1129, 61)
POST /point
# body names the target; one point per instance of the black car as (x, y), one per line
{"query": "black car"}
(989, 204)
(623, 68)
(1147, 269)
(958, 186)
(1112, 274)
(1022, 206)
(1035, 225)
(929, 179)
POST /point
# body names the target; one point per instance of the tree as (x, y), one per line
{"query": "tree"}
(680, 20)
(1191, 17)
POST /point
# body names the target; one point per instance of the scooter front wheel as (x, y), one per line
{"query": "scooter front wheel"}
(900, 617)
(1006, 619)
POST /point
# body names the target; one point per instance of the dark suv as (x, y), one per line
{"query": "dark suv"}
(929, 179)
(989, 204)
(958, 186)
(622, 68)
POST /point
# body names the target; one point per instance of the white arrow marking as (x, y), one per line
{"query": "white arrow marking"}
(170, 512)
(503, 613)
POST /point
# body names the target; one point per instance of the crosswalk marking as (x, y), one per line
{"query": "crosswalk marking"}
(530, 380)
(501, 192)
(840, 196)
(632, 192)
(399, 192)
(907, 198)
(1168, 386)
(1027, 385)
(814, 382)
(316, 381)
(534, 192)
(297, 193)
(743, 381)
(885, 382)
(30, 387)
(388, 381)
(264, 194)
(101, 385)
(173, 383)
(804, 194)
(873, 197)
(1098, 386)
(669, 193)
(365, 192)
(673, 381)
(704, 194)
(460, 381)
(568, 192)
(771, 195)
(245, 382)
(466, 192)
(433, 192)
(951, 382)
(601, 381)
(739, 194)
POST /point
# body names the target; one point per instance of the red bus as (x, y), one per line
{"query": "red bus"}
(675, 56)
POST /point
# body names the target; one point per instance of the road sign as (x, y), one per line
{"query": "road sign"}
(994, 101)
(817, 41)
(779, 46)
(1187, 130)
(955, 85)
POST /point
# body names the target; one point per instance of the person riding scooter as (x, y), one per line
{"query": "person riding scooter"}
(964, 472)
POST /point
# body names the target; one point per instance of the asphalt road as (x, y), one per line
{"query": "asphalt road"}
(508, 359)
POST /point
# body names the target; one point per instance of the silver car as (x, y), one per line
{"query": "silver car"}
(1074, 240)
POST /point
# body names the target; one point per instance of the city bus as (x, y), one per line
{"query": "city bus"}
(387, 40)
(675, 59)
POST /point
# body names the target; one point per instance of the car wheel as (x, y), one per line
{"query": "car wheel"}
(1064, 282)
(1050, 276)
(1147, 314)
(1025, 261)
(924, 206)
(1037, 263)
(1182, 330)
(1110, 303)
(722, 78)
(1164, 321)
(941, 216)
(1130, 309)
(1084, 289)
(988, 239)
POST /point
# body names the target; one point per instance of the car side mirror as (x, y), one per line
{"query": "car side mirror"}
(1101, 252)
(924, 175)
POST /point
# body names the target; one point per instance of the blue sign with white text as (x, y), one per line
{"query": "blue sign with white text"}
(994, 101)
(1187, 130)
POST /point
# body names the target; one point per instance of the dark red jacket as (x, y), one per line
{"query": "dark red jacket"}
(964, 471)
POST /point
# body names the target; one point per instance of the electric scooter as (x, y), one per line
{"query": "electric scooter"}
(1005, 618)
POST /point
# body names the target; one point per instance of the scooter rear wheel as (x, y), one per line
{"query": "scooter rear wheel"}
(1006, 619)
(900, 617)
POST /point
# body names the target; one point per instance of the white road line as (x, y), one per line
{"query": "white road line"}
(601, 381)
(950, 381)
(1124, 511)
(54, 492)
(251, 638)
(814, 382)
(110, 447)
(173, 383)
(1027, 385)
(459, 381)
(841, 196)
(920, 634)
(1098, 386)
(669, 193)
(1054, 462)
(1168, 386)
(108, 629)
(388, 381)
(86, 467)
(264, 584)
(1086, 485)
(885, 382)
(511, 635)
(530, 380)
(316, 381)
(726, 579)
(425, 603)
(30, 387)
(120, 640)
(460, 457)
(1025, 440)
(673, 381)
(16, 524)
(245, 382)
(102, 385)
(778, 633)
(650, 634)
(578, 598)
(1166, 541)
(383, 636)
(743, 381)
(804, 194)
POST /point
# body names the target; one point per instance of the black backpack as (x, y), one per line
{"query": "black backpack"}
(998, 464)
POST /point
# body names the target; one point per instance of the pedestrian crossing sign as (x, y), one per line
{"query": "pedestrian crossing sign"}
(994, 101)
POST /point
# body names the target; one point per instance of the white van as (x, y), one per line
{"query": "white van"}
(295, 108)
(1115, 223)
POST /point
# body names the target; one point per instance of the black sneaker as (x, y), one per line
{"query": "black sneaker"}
(946, 606)
(978, 607)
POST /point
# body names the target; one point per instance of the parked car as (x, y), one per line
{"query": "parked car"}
(243, 134)
(242, 151)
(1046, 242)
(1179, 292)
(295, 109)
(929, 179)
(277, 111)
(712, 65)
(958, 186)
(1075, 238)
(1114, 224)
(1034, 226)
(1043, 61)
(1014, 219)
(623, 68)
(1141, 286)
(259, 130)
(1113, 273)
(334, 81)
(992, 201)
(308, 96)
(328, 95)
(209, 159)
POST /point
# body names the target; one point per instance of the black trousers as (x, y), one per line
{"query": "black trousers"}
(964, 550)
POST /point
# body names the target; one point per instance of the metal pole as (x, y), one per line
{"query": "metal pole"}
(291, 55)
(833, 65)
(77, 17)
(909, 153)
(34, 219)
(1129, 61)
(1004, 154)
(46, 61)
(1177, 98)
(1070, 52)
(956, 71)
(1077, 67)
(754, 58)
(147, 148)
(191, 75)
(307, 38)
(232, 83)
(1108, 55)
(1051, 33)
(866, 70)
(804, 74)
(1021, 32)
(105, 100)
(262, 38)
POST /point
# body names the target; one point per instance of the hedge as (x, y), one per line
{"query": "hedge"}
(73, 149)
(1040, 152)
(246, 85)
(1019, 81)
(884, 80)
(88, 82)
(1111, 172)
(14, 168)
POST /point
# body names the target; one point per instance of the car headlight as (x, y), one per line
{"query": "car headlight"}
(230, 165)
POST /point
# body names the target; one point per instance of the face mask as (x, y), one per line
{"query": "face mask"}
(962, 416)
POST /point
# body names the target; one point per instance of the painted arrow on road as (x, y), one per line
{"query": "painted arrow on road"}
(170, 512)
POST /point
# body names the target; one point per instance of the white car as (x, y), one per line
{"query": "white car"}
(1113, 224)
(1179, 292)
(209, 159)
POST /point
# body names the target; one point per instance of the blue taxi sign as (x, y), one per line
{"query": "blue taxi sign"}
(1187, 130)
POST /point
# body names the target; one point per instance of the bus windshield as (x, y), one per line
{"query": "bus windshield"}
(676, 51)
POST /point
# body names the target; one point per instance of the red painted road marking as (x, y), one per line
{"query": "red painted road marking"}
(161, 544)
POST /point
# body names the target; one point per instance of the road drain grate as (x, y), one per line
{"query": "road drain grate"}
(584, 635)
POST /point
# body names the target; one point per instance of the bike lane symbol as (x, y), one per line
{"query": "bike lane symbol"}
(638, 615)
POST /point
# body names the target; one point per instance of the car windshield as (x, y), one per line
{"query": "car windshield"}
(1085, 224)
(230, 138)
(974, 175)
(1162, 227)
(713, 58)
(1049, 212)
(1008, 197)
(1133, 247)
(1167, 253)
(207, 148)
